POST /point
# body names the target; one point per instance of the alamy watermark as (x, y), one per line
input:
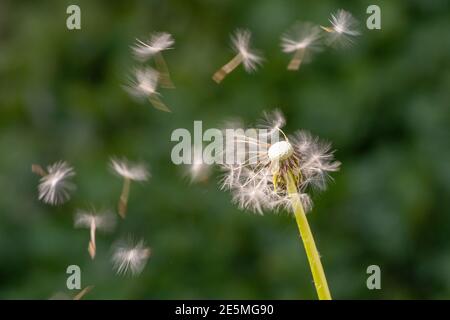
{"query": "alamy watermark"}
(374, 278)
(73, 21)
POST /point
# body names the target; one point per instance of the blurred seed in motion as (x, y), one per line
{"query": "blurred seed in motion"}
(54, 187)
(158, 42)
(129, 172)
(92, 220)
(258, 185)
(343, 28)
(244, 54)
(130, 258)
(302, 40)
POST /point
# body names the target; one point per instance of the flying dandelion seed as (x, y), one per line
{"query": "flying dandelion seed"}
(343, 28)
(130, 258)
(278, 174)
(158, 42)
(80, 295)
(144, 85)
(250, 58)
(129, 172)
(54, 187)
(302, 40)
(94, 221)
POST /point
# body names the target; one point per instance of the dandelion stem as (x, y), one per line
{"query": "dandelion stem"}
(228, 68)
(318, 274)
(296, 60)
(123, 201)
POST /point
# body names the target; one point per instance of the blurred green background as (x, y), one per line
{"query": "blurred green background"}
(384, 103)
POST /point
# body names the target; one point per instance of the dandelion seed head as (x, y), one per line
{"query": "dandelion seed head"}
(257, 183)
(158, 42)
(54, 188)
(128, 170)
(130, 258)
(280, 151)
(316, 159)
(251, 58)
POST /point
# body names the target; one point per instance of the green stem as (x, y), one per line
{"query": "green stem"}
(320, 281)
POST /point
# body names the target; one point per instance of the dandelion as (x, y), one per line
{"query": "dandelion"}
(129, 257)
(129, 172)
(343, 28)
(244, 54)
(54, 187)
(158, 42)
(278, 175)
(302, 40)
(92, 220)
(144, 86)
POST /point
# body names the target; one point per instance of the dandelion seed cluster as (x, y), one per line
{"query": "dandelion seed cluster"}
(302, 40)
(257, 183)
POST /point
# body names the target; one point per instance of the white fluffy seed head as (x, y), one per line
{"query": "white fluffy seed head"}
(144, 84)
(54, 188)
(280, 150)
(128, 170)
